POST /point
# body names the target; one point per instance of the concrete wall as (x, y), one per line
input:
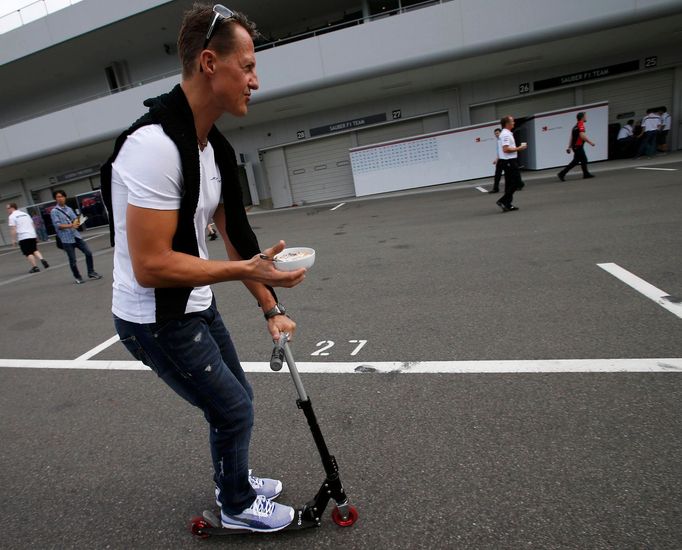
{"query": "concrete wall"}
(442, 32)
(68, 23)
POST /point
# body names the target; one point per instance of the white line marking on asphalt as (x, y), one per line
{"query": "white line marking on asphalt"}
(403, 367)
(481, 189)
(337, 206)
(94, 351)
(663, 299)
(661, 169)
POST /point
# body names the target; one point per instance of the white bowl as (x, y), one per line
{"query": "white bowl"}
(291, 259)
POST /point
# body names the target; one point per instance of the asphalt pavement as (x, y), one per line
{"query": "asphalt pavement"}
(113, 459)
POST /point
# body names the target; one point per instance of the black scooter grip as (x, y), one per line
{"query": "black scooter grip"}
(277, 358)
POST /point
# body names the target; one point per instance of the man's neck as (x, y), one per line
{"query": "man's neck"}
(198, 98)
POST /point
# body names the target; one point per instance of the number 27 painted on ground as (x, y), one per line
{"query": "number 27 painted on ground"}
(328, 344)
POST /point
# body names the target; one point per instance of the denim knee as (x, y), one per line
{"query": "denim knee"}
(238, 420)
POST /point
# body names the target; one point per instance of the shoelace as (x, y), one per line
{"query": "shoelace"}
(255, 482)
(262, 506)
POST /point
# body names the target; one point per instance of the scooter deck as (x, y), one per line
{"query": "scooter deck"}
(209, 525)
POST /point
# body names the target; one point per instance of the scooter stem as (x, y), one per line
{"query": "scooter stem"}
(282, 348)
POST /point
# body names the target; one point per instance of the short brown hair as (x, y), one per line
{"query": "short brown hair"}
(505, 120)
(193, 31)
(12, 205)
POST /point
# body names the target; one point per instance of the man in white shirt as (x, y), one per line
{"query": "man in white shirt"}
(508, 153)
(24, 233)
(498, 165)
(625, 141)
(626, 131)
(171, 173)
(651, 123)
(662, 136)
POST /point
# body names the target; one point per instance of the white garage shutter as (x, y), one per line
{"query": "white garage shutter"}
(320, 169)
(632, 94)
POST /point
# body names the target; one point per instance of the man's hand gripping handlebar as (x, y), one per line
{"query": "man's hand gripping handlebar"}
(277, 358)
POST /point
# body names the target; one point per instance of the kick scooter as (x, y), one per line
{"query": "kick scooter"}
(344, 514)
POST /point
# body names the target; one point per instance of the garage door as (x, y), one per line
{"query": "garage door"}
(632, 94)
(320, 170)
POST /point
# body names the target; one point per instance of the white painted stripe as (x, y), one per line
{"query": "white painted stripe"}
(94, 351)
(661, 169)
(338, 206)
(404, 367)
(482, 189)
(663, 299)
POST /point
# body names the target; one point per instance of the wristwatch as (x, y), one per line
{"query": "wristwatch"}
(278, 309)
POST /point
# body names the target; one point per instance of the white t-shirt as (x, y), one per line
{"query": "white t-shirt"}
(665, 121)
(651, 122)
(507, 138)
(625, 132)
(24, 224)
(498, 144)
(147, 173)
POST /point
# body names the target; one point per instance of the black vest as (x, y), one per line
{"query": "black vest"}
(173, 113)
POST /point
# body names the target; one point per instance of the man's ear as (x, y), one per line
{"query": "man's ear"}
(207, 60)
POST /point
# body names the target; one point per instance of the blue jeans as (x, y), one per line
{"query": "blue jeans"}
(70, 249)
(195, 356)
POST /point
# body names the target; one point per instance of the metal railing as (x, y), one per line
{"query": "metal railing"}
(345, 24)
(30, 11)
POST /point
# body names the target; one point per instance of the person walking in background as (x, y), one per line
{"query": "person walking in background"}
(650, 126)
(508, 153)
(40, 227)
(497, 163)
(577, 146)
(24, 233)
(66, 224)
(212, 232)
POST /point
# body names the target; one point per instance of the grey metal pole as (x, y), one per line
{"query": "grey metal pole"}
(294, 373)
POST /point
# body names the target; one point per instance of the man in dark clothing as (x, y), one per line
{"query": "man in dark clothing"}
(577, 146)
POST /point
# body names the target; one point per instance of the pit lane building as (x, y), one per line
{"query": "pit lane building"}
(334, 74)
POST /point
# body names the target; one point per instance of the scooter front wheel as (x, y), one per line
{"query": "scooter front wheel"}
(352, 517)
(196, 526)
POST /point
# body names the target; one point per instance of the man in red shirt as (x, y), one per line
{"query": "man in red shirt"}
(577, 143)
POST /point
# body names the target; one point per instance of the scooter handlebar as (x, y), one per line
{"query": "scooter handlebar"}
(277, 358)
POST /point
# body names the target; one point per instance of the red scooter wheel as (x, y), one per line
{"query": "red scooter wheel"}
(196, 524)
(352, 517)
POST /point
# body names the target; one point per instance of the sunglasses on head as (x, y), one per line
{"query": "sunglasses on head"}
(220, 13)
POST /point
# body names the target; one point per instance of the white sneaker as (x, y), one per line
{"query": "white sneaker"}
(262, 516)
(269, 488)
